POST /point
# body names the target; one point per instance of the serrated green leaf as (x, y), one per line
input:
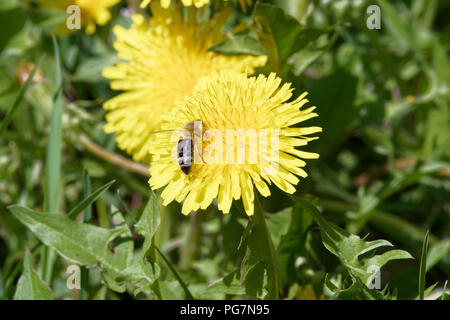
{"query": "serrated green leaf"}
(123, 248)
(149, 222)
(142, 273)
(30, 285)
(357, 290)
(348, 248)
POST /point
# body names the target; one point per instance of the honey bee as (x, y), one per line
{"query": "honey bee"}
(187, 146)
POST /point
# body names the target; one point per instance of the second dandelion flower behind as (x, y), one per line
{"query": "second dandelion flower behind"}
(164, 59)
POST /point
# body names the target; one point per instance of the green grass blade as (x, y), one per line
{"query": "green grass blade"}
(53, 161)
(423, 268)
(7, 119)
(86, 202)
(176, 275)
(53, 155)
(87, 217)
(124, 205)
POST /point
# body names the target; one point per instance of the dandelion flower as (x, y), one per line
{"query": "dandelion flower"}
(93, 12)
(164, 61)
(225, 103)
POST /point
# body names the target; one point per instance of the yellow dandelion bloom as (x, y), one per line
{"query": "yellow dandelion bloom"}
(164, 61)
(247, 140)
(93, 12)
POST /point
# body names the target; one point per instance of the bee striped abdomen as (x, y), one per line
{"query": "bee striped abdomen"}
(184, 154)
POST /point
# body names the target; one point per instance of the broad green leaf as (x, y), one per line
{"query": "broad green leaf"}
(84, 244)
(90, 246)
(291, 243)
(30, 285)
(243, 42)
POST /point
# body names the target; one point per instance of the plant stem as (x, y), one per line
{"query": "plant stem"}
(191, 248)
(114, 158)
(176, 275)
(272, 266)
